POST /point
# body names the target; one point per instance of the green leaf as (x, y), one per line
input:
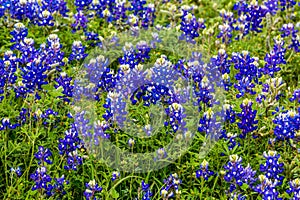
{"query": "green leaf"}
(52, 91)
(244, 187)
(47, 87)
(114, 194)
(57, 92)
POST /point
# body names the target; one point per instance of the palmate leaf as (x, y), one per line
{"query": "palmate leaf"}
(52, 91)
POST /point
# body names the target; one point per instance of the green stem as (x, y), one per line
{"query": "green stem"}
(202, 185)
(5, 156)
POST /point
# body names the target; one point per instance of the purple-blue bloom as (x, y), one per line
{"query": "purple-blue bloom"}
(92, 188)
(204, 171)
(247, 117)
(43, 155)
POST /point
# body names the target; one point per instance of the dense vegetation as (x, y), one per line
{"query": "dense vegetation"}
(141, 99)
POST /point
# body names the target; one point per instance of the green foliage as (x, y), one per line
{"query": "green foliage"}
(17, 147)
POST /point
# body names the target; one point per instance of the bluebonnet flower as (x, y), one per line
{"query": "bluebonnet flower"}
(275, 58)
(204, 171)
(58, 188)
(192, 69)
(148, 129)
(231, 138)
(24, 9)
(143, 51)
(77, 51)
(185, 9)
(52, 39)
(296, 96)
(106, 13)
(148, 16)
(203, 91)
(229, 113)
(73, 160)
(115, 108)
(34, 76)
(133, 20)
(46, 116)
(28, 50)
(181, 67)
(247, 117)
(163, 74)
(82, 124)
(97, 7)
(243, 26)
(17, 171)
(227, 17)
(19, 33)
(208, 123)
(222, 62)
(225, 33)
(69, 145)
(52, 54)
(248, 72)
(237, 196)
(129, 56)
(234, 172)
(129, 81)
(41, 179)
(176, 116)
(227, 27)
(271, 90)
(100, 131)
(7, 124)
(241, 6)
(285, 4)
(115, 176)
(226, 81)
(80, 21)
(59, 6)
(70, 141)
(93, 38)
(45, 18)
(2, 10)
(160, 79)
(295, 44)
(48, 113)
(249, 176)
(272, 6)
(155, 39)
(64, 81)
(272, 168)
(119, 13)
(267, 188)
(99, 74)
(161, 153)
(190, 27)
(294, 189)
(43, 156)
(131, 142)
(288, 30)
(287, 125)
(82, 4)
(245, 85)
(146, 192)
(91, 189)
(255, 15)
(8, 68)
(171, 187)
(247, 65)
(137, 6)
